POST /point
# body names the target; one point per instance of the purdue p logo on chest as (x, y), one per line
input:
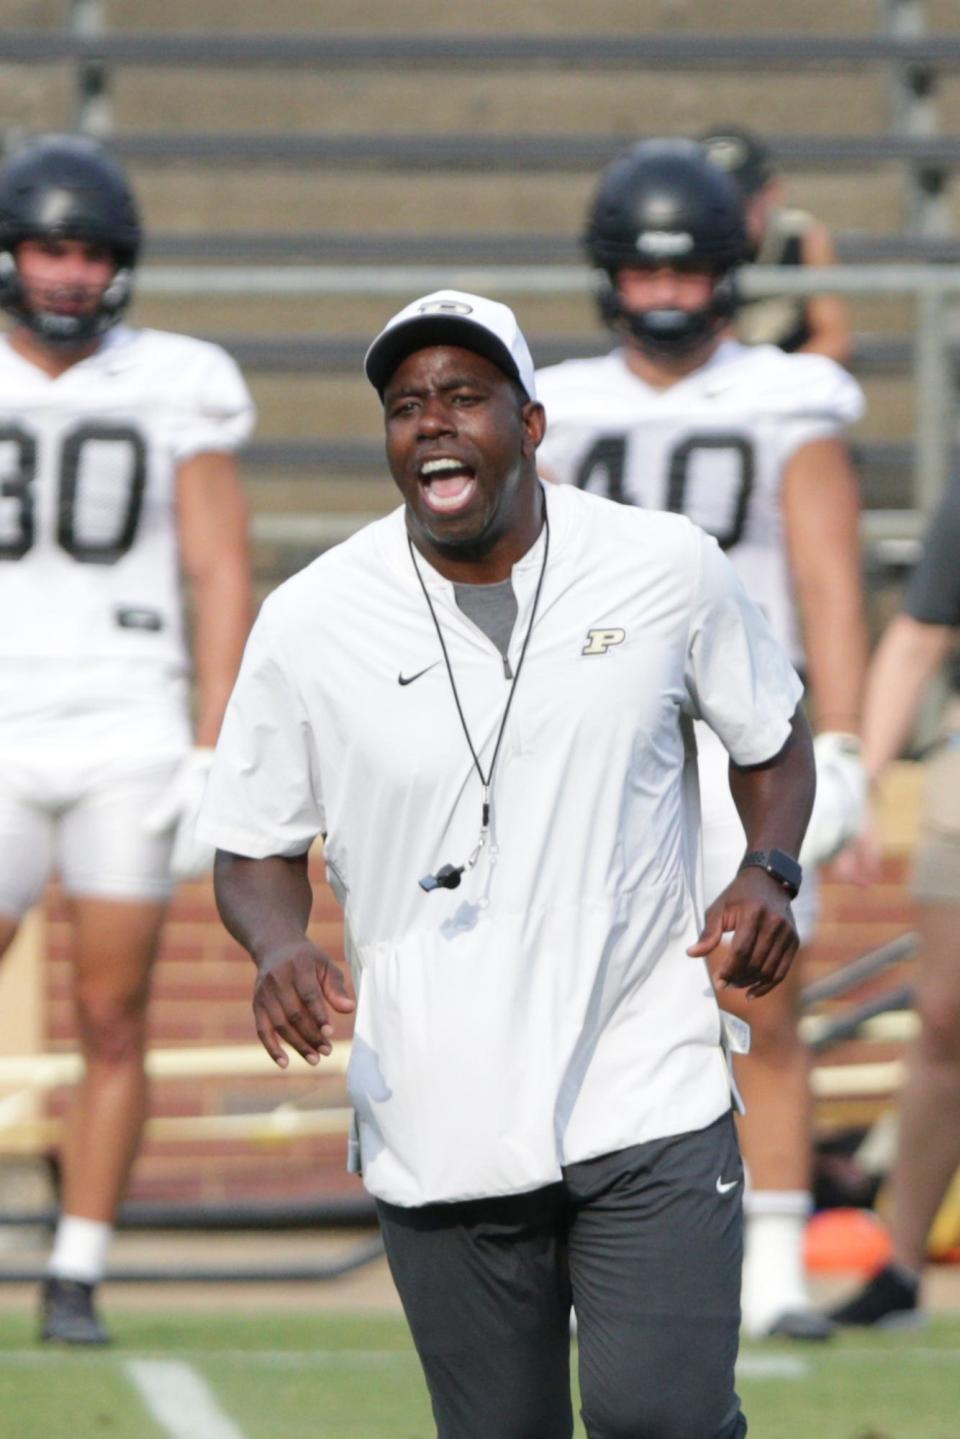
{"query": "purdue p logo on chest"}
(599, 641)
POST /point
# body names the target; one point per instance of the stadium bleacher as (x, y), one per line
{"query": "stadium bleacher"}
(282, 138)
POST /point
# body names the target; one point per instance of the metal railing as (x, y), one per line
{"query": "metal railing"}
(334, 49)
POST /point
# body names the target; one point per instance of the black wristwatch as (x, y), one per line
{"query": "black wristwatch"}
(780, 866)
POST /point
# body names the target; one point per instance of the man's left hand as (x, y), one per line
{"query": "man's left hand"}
(756, 909)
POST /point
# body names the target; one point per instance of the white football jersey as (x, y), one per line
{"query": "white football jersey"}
(714, 446)
(89, 576)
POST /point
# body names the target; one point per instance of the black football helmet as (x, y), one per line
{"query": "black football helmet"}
(664, 202)
(67, 186)
(742, 154)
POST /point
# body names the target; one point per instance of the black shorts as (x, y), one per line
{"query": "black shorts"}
(647, 1245)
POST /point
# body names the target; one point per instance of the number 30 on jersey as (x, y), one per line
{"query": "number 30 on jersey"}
(100, 475)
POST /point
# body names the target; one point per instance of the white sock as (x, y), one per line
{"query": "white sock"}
(774, 1280)
(80, 1249)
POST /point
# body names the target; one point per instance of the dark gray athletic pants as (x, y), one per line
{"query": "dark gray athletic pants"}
(646, 1242)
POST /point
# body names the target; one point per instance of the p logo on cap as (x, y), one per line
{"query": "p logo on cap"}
(445, 307)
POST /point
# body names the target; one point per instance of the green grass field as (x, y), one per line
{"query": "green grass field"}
(357, 1378)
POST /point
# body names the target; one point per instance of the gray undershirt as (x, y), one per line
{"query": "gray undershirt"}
(493, 609)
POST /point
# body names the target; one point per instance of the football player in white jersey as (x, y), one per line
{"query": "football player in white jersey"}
(117, 475)
(748, 443)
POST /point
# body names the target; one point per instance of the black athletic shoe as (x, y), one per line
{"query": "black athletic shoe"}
(805, 1324)
(68, 1314)
(891, 1300)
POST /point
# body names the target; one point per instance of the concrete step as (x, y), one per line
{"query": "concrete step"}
(32, 100)
(432, 100)
(941, 14)
(364, 315)
(33, 14)
(233, 196)
(309, 355)
(361, 315)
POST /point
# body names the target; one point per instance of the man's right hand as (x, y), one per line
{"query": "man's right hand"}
(755, 911)
(297, 986)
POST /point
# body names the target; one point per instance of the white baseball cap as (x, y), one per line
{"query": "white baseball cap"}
(451, 317)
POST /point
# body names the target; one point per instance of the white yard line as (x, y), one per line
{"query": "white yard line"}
(771, 1366)
(179, 1400)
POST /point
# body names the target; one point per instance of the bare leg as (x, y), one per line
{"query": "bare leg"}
(775, 1136)
(114, 947)
(774, 1079)
(929, 1146)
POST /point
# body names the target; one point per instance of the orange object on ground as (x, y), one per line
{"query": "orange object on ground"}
(846, 1241)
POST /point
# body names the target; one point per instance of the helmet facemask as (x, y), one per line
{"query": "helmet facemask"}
(666, 333)
(62, 329)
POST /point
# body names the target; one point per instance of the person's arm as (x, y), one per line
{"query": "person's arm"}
(906, 660)
(917, 642)
(821, 516)
(265, 905)
(911, 650)
(773, 801)
(828, 316)
(821, 510)
(214, 555)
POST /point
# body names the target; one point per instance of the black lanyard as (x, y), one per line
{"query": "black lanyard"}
(448, 876)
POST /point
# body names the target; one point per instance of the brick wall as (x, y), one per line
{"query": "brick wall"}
(202, 990)
(853, 922)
